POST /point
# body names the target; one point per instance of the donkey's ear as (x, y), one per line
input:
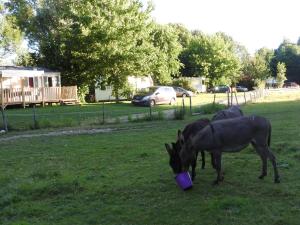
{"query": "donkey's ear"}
(180, 137)
(178, 134)
(169, 149)
(173, 145)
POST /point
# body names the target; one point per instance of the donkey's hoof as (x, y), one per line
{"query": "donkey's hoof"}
(215, 182)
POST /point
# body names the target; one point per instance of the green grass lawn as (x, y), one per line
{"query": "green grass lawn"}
(123, 177)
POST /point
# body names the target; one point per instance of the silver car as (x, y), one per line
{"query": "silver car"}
(155, 95)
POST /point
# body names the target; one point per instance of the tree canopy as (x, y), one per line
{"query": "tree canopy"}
(88, 40)
(211, 57)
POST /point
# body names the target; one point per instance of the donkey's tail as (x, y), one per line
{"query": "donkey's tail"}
(269, 137)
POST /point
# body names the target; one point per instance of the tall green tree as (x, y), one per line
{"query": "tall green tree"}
(281, 74)
(10, 36)
(87, 40)
(167, 49)
(289, 54)
(212, 57)
(258, 67)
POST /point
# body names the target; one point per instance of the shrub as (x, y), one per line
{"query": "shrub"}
(185, 83)
(179, 113)
(211, 108)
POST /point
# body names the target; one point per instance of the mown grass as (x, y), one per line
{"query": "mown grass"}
(123, 177)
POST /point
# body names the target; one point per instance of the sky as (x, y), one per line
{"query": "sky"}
(252, 23)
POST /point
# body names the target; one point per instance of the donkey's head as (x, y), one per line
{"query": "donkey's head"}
(174, 162)
(185, 152)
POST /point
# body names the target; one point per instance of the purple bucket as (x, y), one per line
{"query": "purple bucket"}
(184, 180)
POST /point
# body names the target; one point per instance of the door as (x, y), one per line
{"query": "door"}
(159, 96)
(30, 82)
(50, 82)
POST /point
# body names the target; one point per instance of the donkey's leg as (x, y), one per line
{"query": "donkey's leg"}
(260, 151)
(203, 159)
(273, 160)
(213, 161)
(218, 158)
(194, 164)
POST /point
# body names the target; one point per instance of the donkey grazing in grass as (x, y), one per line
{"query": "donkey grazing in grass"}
(230, 135)
(190, 130)
(173, 151)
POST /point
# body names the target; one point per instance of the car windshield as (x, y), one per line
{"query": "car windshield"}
(149, 90)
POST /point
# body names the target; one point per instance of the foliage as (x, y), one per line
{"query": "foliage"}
(258, 67)
(126, 90)
(183, 82)
(10, 36)
(289, 54)
(211, 57)
(211, 108)
(86, 40)
(281, 72)
(167, 49)
(179, 113)
(184, 35)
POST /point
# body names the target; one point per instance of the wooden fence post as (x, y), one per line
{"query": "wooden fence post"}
(103, 113)
(43, 96)
(236, 98)
(183, 105)
(23, 92)
(2, 93)
(35, 123)
(190, 105)
(150, 110)
(228, 99)
(4, 119)
(214, 102)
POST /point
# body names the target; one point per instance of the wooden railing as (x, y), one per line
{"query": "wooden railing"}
(37, 95)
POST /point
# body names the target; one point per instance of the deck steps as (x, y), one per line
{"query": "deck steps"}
(70, 102)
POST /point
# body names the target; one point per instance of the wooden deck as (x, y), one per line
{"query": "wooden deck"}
(43, 95)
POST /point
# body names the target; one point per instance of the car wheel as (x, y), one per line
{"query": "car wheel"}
(184, 95)
(172, 102)
(152, 103)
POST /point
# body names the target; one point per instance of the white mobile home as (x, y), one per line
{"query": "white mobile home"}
(136, 82)
(26, 85)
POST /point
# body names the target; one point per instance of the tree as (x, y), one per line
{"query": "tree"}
(167, 49)
(289, 54)
(258, 67)
(211, 57)
(281, 71)
(184, 35)
(88, 39)
(10, 36)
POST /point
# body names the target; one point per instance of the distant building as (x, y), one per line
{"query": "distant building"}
(137, 83)
(271, 82)
(29, 85)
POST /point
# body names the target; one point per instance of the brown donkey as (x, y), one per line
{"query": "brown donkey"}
(230, 135)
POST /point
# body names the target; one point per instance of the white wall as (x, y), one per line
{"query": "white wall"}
(136, 82)
(197, 83)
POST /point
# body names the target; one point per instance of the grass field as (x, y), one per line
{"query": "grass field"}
(123, 177)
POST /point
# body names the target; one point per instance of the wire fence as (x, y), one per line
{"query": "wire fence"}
(107, 112)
